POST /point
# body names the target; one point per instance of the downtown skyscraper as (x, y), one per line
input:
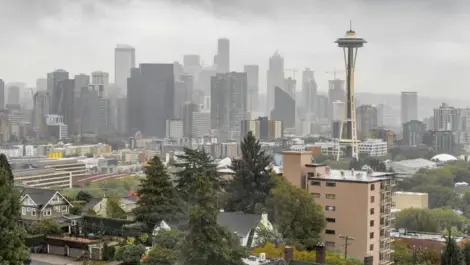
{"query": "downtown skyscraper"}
(124, 61)
(252, 75)
(150, 99)
(409, 106)
(222, 58)
(275, 76)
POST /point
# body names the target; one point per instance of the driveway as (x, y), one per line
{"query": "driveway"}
(46, 259)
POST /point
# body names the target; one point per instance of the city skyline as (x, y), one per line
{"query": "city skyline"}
(431, 59)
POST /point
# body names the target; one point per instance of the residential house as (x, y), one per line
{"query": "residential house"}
(245, 226)
(45, 204)
(99, 206)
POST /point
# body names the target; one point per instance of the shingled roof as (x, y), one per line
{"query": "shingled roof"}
(237, 222)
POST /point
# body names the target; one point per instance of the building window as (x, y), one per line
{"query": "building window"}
(330, 232)
(330, 208)
(33, 212)
(330, 196)
(316, 195)
(371, 223)
(57, 208)
(372, 210)
(372, 187)
(315, 183)
(330, 244)
(371, 235)
(371, 247)
(64, 209)
(23, 210)
(372, 199)
(48, 212)
(331, 184)
(331, 220)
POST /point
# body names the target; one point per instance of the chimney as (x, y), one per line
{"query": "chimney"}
(264, 218)
(288, 253)
(320, 254)
(368, 260)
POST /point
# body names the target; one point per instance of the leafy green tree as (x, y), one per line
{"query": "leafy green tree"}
(12, 244)
(167, 248)
(158, 199)
(451, 253)
(466, 253)
(297, 216)
(6, 165)
(206, 242)
(193, 163)
(45, 227)
(439, 196)
(130, 254)
(171, 239)
(83, 196)
(252, 182)
(429, 220)
(113, 208)
(160, 256)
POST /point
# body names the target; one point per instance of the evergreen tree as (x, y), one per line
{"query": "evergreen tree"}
(158, 199)
(194, 163)
(12, 244)
(6, 165)
(252, 182)
(451, 254)
(466, 254)
(206, 242)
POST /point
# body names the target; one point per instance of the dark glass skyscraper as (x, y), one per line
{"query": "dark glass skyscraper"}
(284, 108)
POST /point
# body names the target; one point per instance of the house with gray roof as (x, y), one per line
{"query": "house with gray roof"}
(99, 206)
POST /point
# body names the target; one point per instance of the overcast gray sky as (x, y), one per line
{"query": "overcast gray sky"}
(420, 45)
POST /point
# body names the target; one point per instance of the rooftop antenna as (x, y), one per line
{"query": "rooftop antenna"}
(350, 25)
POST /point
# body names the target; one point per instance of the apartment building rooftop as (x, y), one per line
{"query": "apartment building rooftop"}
(350, 175)
(402, 233)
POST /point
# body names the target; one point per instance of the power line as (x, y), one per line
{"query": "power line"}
(346, 244)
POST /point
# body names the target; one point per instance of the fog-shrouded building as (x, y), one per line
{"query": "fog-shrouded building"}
(409, 106)
(309, 91)
(2, 94)
(275, 78)
(187, 117)
(252, 75)
(40, 110)
(183, 93)
(150, 99)
(284, 108)
(222, 59)
(13, 95)
(413, 132)
(263, 129)
(446, 118)
(366, 119)
(54, 93)
(228, 104)
(201, 125)
(290, 86)
(336, 92)
(124, 61)
(65, 107)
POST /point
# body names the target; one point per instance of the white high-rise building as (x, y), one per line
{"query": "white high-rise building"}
(201, 124)
(338, 110)
(373, 147)
(174, 129)
(409, 106)
(124, 61)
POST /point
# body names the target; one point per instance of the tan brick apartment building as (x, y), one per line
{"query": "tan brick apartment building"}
(356, 204)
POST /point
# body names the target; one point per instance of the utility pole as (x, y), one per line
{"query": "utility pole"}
(346, 244)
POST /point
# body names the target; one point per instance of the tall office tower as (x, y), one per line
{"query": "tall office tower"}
(124, 61)
(409, 106)
(309, 91)
(338, 111)
(222, 59)
(387, 117)
(2, 94)
(263, 129)
(41, 84)
(40, 110)
(201, 125)
(187, 117)
(252, 75)
(192, 66)
(446, 118)
(204, 82)
(322, 108)
(413, 132)
(89, 101)
(275, 77)
(183, 93)
(336, 92)
(13, 95)
(81, 81)
(100, 78)
(350, 45)
(228, 104)
(366, 120)
(150, 99)
(121, 109)
(52, 80)
(178, 70)
(65, 105)
(284, 108)
(289, 86)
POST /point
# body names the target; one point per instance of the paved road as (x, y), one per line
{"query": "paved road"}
(46, 259)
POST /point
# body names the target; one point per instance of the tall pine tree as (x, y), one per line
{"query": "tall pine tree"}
(6, 165)
(206, 242)
(158, 199)
(12, 243)
(252, 182)
(195, 163)
(451, 254)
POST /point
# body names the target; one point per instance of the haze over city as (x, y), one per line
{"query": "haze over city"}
(412, 45)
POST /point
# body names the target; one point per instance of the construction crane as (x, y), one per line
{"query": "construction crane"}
(334, 73)
(293, 70)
